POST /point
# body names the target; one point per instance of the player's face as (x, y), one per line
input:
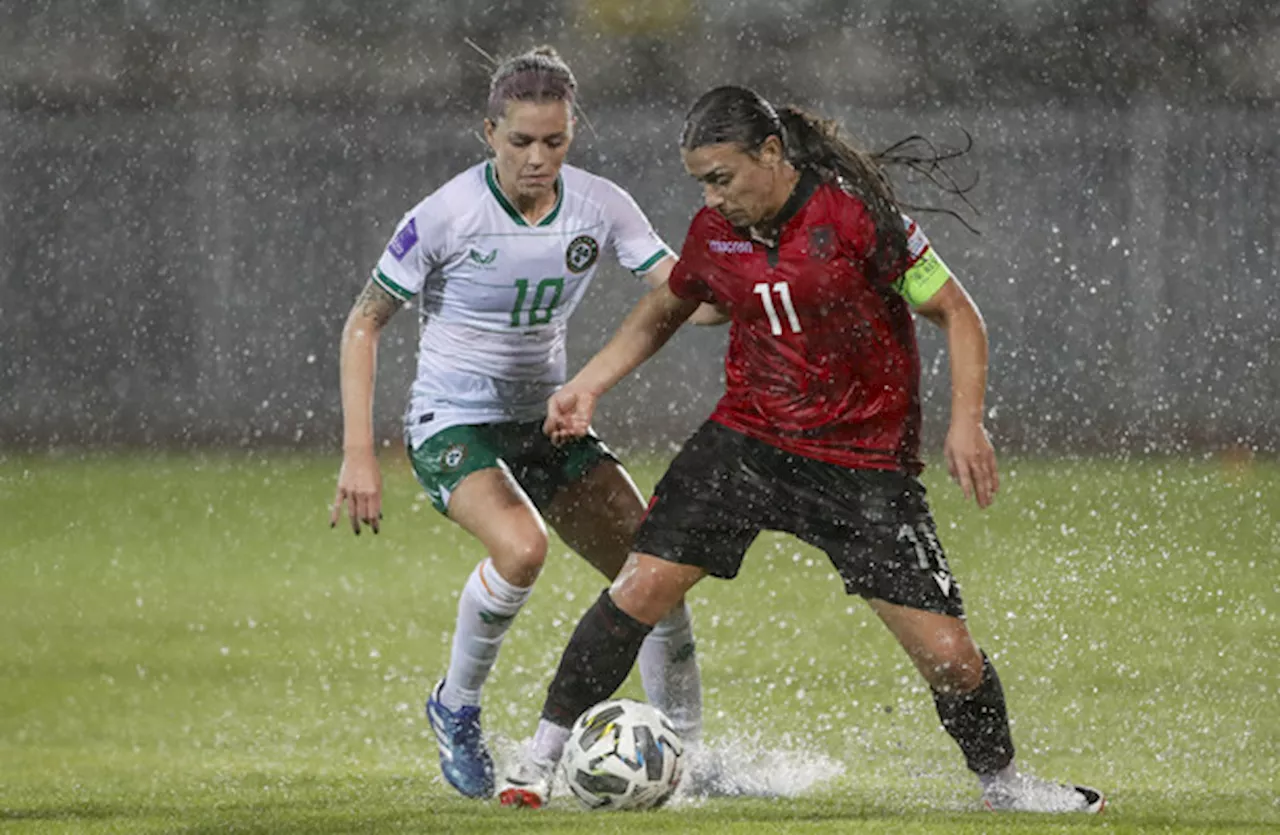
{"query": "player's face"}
(529, 142)
(738, 184)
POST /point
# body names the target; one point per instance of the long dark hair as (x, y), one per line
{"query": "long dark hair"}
(743, 117)
(537, 75)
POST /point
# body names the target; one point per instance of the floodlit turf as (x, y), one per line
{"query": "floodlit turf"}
(186, 646)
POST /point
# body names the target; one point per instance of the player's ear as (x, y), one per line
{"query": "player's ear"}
(771, 153)
(490, 128)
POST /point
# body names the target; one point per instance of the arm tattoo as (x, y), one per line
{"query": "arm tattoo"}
(377, 304)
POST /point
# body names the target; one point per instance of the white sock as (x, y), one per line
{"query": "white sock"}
(486, 608)
(548, 742)
(669, 670)
(1008, 772)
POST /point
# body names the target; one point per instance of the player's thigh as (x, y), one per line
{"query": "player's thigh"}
(597, 515)
(648, 587)
(462, 471)
(939, 645)
(709, 505)
(876, 527)
(546, 470)
(490, 505)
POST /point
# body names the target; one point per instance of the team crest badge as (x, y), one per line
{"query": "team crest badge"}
(452, 457)
(822, 243)
(581, 254)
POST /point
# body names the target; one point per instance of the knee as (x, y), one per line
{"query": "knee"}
(955, 666)
(519, 556)
(633, 582)
(644, 591)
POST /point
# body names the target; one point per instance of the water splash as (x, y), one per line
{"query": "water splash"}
(753, 766)
(749, 765)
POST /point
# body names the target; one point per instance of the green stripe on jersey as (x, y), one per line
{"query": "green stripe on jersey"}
(924, 279)
(492, 181)
(380, 278)
(555, 212)
(653, 259)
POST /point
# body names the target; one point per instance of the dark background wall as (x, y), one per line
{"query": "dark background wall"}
(192, 193)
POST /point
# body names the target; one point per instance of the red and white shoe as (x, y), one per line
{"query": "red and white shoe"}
(1020, 793)
(527, 784)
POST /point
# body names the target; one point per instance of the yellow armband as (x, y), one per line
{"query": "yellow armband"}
(923, 279)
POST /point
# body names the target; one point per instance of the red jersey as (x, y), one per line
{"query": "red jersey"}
(822, 357)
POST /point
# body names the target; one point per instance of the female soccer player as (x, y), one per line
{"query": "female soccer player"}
(817, 434)
(501, 255)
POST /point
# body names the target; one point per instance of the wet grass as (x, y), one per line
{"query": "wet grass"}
(187, 647)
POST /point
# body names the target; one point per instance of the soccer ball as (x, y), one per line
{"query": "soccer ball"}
(623, 754)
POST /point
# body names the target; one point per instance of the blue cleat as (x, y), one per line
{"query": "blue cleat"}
(464, 759)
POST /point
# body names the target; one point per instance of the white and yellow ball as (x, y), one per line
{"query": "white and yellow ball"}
(623, 754)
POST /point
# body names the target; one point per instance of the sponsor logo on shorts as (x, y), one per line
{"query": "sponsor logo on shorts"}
(453, 457)
(404, 240)
(581, 254)
(731, 247)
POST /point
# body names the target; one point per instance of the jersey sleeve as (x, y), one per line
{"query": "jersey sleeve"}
(415, 251)
(634, 242)
(925, 273)
(689, 276)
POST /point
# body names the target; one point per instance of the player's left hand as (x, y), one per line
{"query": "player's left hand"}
(971, 460)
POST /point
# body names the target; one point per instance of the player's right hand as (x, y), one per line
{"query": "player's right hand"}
(359, 491)
(569, 413)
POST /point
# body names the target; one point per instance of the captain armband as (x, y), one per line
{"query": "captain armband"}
(923, 279)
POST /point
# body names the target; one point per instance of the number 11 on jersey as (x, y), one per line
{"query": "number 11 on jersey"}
(784, 294)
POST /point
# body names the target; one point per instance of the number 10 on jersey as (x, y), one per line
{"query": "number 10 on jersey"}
(540, 305)
(765, 292)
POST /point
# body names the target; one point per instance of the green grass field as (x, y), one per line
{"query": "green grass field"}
(188, 647)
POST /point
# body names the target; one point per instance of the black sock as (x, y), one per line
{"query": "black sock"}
(979, 722)
(600, 654)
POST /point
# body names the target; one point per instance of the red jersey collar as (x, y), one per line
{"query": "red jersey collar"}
(808, 183)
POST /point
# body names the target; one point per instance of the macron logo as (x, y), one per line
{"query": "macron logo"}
(730, 247)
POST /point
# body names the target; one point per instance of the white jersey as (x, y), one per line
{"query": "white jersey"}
(497, 292)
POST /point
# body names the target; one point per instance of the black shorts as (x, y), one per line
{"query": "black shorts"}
(725, 487)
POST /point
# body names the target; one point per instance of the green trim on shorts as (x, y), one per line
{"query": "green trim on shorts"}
(581, 457)
(443, 460)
